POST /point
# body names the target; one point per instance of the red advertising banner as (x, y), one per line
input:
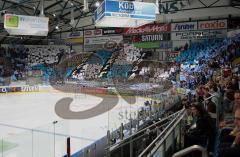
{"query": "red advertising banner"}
(151, 28)
(89, 90)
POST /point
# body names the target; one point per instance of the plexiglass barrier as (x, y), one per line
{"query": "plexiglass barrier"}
(46, 141)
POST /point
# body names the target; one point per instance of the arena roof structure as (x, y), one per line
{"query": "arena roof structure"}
(58, 11)
(70, 15)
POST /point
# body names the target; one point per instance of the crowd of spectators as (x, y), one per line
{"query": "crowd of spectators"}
(17, 63)
(212, 102)
(116, 64)
(91, 69)
(87, 72)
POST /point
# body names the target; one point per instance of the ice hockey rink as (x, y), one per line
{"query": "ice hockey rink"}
(30, 127)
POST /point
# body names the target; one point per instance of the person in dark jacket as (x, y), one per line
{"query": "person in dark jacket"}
(203, 131)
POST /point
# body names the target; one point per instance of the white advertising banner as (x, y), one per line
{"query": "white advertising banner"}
(198, 35)
(74, 38)
(186, 26)
(102, 40)
(26, 25)
(214, 24)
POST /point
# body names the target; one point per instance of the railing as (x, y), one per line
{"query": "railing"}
(191, 149)
(117, 145)
(164, 141)
(137, 142)
(217, 108)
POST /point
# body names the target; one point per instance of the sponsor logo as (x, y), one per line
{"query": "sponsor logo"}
(102, 40)
(108, 31)
(88, 33)
(184, 26)
(29, 89)
(92, 33)
(19, 89)
(198, 35)
(126, 7)
(113, 31)
(218, 24)
(147, 29)
(97, 31)
(11, 21)
(10, 89)
(75, 34)
(152, 37)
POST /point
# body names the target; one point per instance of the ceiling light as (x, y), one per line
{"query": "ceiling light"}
(97, 4)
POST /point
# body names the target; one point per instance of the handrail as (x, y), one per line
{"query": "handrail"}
(217, 108)
(121, 142)
(168, 133)
(190, 149)
(170, 127)
(209, 97)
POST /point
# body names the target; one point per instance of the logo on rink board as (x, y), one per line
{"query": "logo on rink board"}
(19, 89)
(10, 89)
(30, 89)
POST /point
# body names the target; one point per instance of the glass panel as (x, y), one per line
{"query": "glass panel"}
(61, 130)
(1, 147)
(51, 139)
(60, 145)
(79, 148)
(43, 144)
(16, 143)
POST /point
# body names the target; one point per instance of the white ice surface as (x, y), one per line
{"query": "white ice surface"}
(36, 111)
